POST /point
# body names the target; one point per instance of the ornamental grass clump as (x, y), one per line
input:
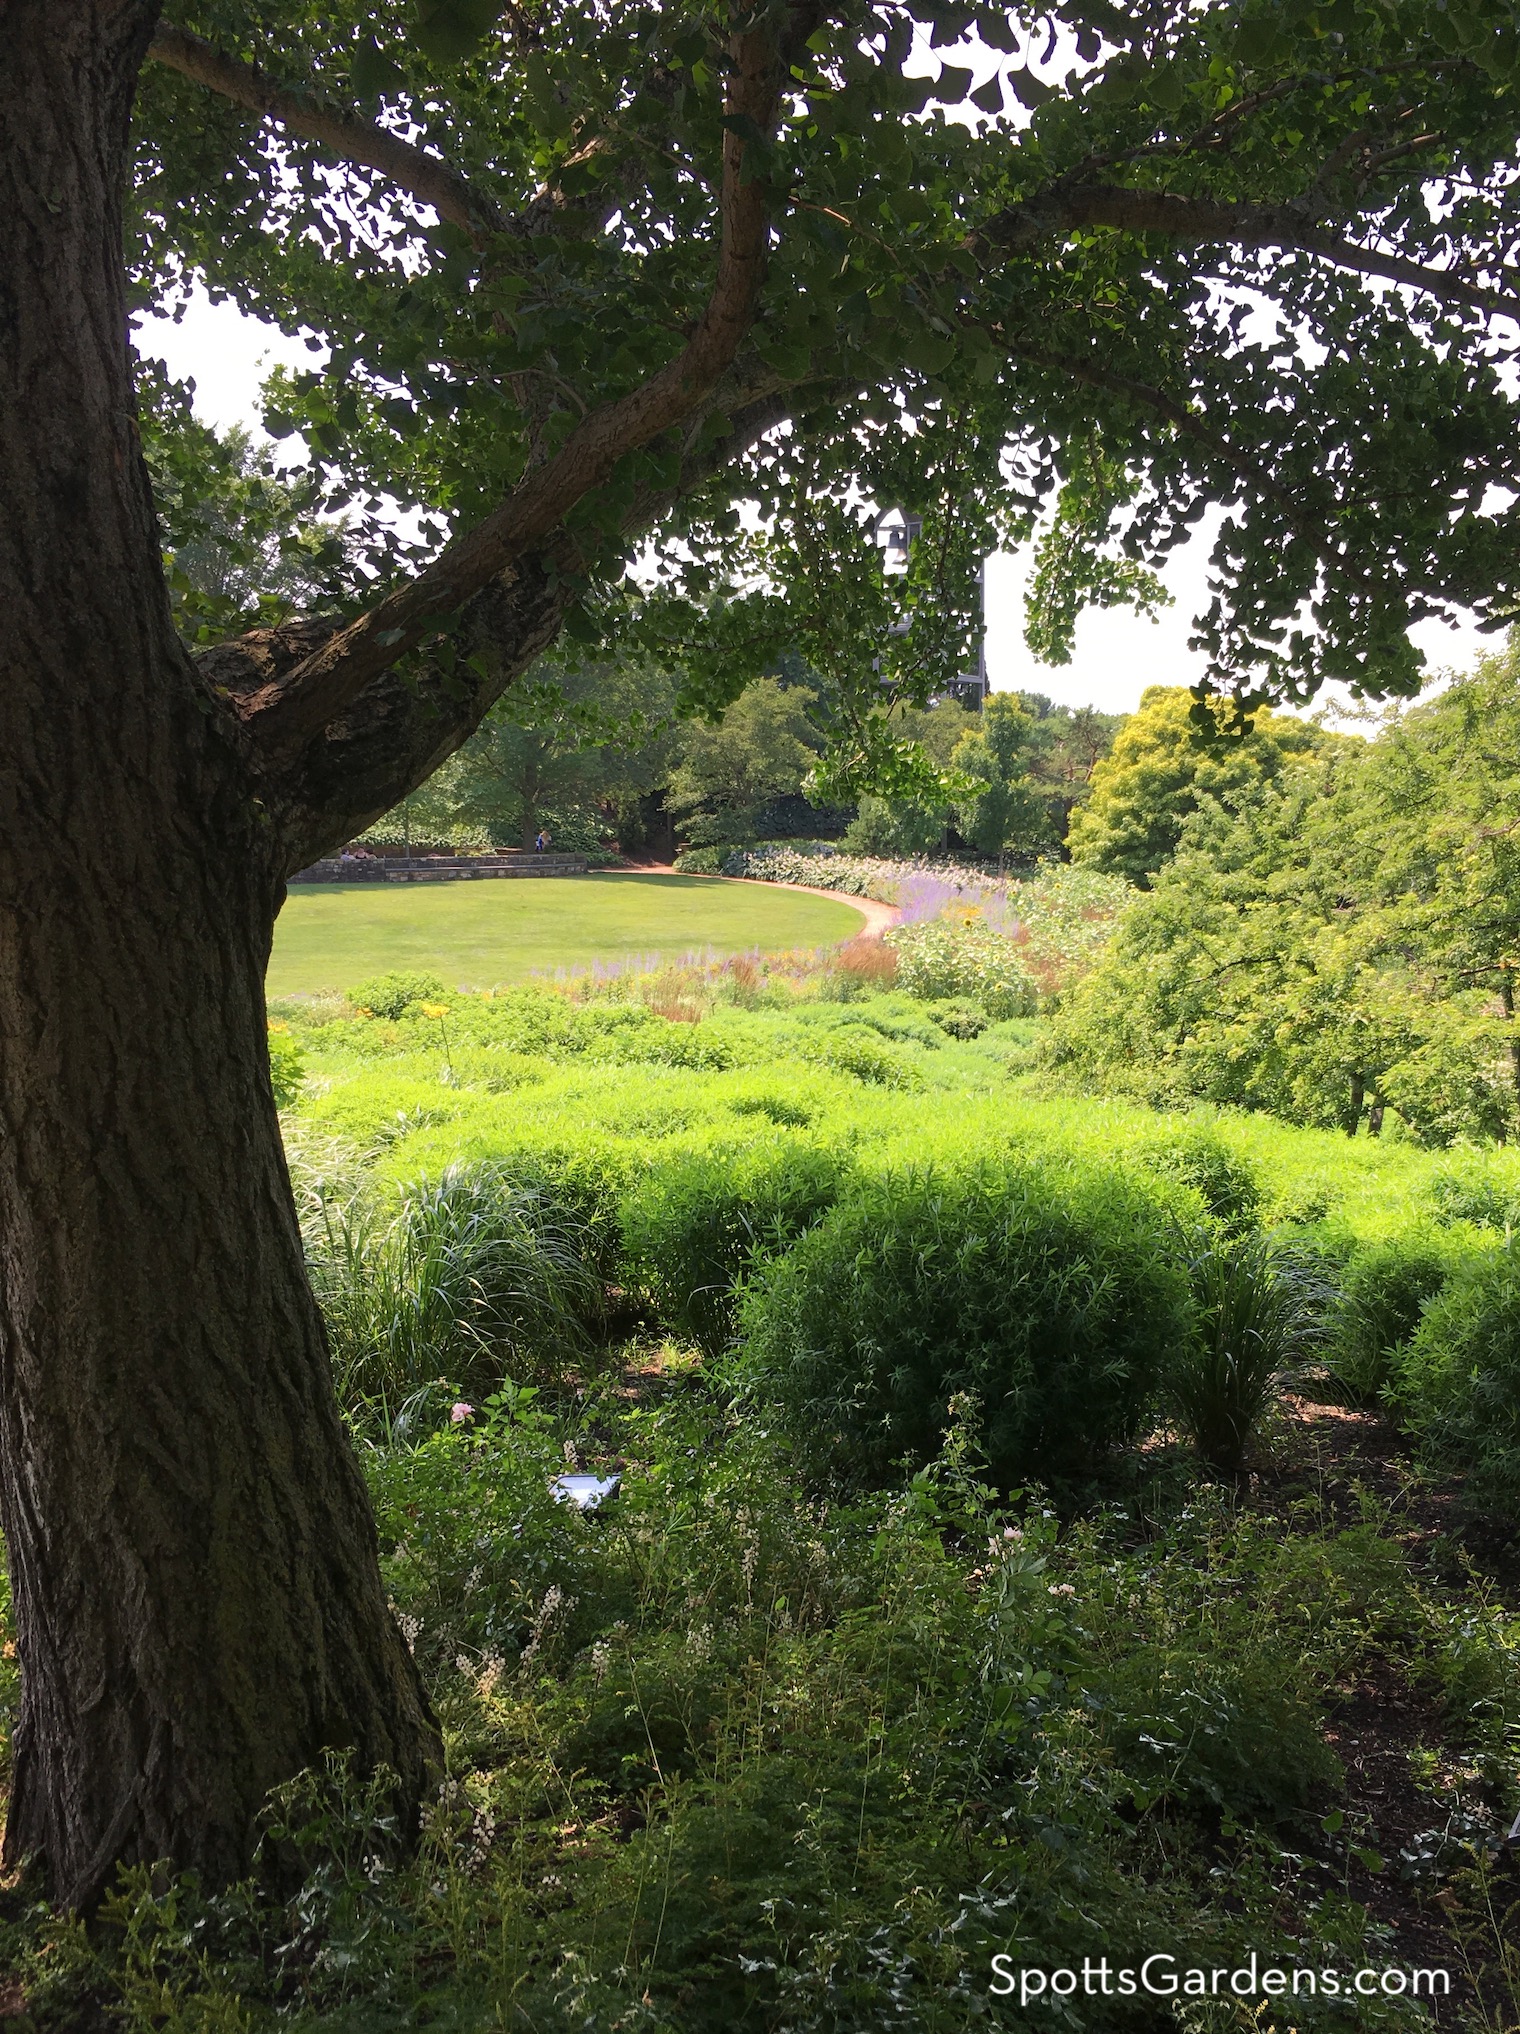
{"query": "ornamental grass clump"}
(1261, 1309)
(473, 1276)
(1049, 1291)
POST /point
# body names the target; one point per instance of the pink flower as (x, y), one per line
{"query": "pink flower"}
(461, 1413)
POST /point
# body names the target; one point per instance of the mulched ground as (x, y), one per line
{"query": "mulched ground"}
(1409, 1799)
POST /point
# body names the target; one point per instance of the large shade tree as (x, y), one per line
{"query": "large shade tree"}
(580, 277)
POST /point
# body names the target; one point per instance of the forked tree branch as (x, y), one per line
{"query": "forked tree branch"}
(284, 716)
(1023, 227)
(423, 176)
(405, 724)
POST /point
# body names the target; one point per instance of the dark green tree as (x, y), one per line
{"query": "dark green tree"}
(763, 747)
(1005, 812)
(576, 737)
(248, 545)
(586, 280)
(918, 821)
(1070, 742)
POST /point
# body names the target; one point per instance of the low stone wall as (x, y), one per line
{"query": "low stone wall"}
(439, 868)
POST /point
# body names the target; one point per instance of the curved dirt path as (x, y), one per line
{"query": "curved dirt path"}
(879, 917)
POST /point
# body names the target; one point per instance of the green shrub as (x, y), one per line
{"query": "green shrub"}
(701, 861)
(695, 1221)
(1478, 1188)
(1385, 1289)
(1458, 1384)
(392, 995)
(1199, 1158)
(287, 1066)
(959, 1019)
(856, 1049)
(1260, 1309)
(1045, 1290)
(970, 961)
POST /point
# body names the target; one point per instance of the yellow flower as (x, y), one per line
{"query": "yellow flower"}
(434, 1009)
(277, 1028)
(364, 1011)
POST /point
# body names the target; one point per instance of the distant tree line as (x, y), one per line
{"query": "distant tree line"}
(595, 752)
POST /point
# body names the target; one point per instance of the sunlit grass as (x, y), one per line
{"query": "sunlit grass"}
(481, 933)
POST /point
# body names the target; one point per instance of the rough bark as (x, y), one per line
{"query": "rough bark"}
(1507, 1005)
(199, 1608)
(1355, 1104)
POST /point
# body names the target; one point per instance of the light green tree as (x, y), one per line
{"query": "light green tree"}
(1337, 945)
(1162, 766)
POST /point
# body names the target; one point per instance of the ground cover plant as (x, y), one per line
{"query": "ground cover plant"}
(931, 1619)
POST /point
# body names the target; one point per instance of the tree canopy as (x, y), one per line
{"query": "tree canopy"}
(572, 279)
(1162, 766)
(1340, 938)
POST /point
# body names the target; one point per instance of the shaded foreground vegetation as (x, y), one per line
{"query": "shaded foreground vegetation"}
(917, 1630)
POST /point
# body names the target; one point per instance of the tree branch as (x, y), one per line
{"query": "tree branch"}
(1021, 228)
(284, 716)
(425, 177)
(395, 735)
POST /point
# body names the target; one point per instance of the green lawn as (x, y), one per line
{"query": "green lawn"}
(478, 933)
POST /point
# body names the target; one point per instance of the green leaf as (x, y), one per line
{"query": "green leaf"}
(373, 72)
(989, 97)
(1029, 90)
(927, 350)
(998, 31)
(1259, 42)
(448, 30)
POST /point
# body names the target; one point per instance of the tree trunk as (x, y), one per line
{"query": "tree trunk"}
(199, 1610)
(1507, 1005)
(1354, 1110)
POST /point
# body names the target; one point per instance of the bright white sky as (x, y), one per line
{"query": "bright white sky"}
(1116, 656)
